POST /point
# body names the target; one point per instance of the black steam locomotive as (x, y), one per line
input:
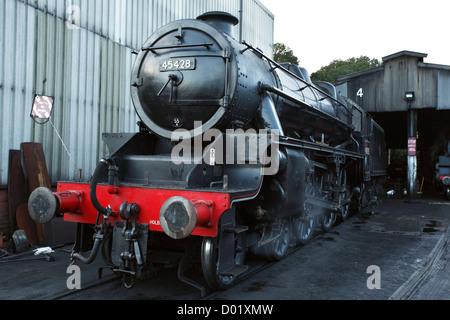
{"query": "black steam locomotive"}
(235, 154)
(443, 172)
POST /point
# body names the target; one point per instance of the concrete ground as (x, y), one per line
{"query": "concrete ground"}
(394, 250)
(397, 237)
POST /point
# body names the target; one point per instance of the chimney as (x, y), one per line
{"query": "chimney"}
(220, 20)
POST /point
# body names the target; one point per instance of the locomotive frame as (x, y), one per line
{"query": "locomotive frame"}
(329, 154)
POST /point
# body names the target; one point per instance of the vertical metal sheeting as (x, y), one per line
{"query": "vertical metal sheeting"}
(443, 89)
(86, 67)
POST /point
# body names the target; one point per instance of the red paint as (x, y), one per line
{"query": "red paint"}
(69, 201)
(412, 146)
(205, 210)
(210, 206)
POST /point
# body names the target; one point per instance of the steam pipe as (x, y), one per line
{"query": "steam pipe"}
(102, 165)
(98, 240)
(267, 116)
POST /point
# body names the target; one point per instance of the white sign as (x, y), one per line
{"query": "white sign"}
(42, 107)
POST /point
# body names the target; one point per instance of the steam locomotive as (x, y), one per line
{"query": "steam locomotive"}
(235, 154)
(443, 172)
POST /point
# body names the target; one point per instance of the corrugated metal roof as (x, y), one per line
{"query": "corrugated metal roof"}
(79, 52)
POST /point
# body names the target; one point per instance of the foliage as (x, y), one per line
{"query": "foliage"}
(338, 68)
(282, 53)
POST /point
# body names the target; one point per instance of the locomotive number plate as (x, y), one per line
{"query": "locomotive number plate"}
(177, 64)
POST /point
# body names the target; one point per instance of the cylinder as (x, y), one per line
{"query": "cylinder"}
(69, 201)
(204, 210)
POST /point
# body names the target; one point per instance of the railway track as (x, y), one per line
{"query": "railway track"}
(85, 287)
(418, 278)
(96, 288)
(256, 265)
(255, 268)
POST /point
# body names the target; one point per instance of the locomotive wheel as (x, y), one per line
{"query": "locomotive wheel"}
(363, 197)
(209, 261)
(276, 249)
(128, 280)
(328, 221)
(303, 229)
(345, 212)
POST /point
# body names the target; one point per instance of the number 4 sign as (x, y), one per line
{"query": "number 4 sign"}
(360, 93)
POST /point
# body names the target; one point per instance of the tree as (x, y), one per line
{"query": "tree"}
(338, 68)
(282, 53)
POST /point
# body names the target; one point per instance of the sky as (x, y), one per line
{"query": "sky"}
(320, 31)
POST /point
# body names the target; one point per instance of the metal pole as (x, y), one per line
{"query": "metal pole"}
(241, 18)
(412, 154)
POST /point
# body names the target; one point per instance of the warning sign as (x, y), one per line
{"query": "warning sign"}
(42, 107)
(412, 146)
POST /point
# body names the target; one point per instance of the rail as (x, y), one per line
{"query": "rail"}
(152, 49)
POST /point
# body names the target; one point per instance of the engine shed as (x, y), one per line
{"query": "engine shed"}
(410, 99)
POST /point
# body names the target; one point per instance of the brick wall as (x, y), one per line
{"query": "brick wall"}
(4, 214)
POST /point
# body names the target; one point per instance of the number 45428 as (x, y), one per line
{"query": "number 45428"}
(177, 64)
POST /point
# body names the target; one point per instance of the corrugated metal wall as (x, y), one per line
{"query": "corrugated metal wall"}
(443, 89)
(79, 52)
(435, 90)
